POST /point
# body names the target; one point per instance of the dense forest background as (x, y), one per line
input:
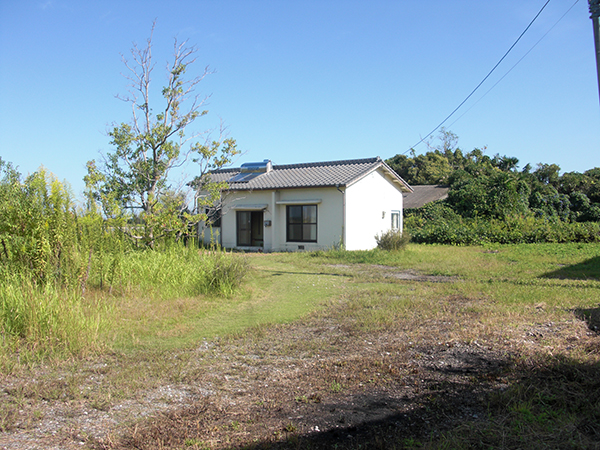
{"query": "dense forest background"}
(492, 200)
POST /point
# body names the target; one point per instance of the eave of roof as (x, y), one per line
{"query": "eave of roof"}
(389, 173)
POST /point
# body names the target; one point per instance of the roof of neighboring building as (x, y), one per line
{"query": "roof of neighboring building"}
(318, 174)
(423, 194)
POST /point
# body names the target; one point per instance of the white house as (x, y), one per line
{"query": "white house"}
(306, 206)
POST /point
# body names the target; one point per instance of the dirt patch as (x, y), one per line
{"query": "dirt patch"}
(328, 398)
(290, 382)
(293, 382)
(396, 273)
(413, 275)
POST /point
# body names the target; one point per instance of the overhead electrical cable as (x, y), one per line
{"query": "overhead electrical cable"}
(515, 65)
(484, 79)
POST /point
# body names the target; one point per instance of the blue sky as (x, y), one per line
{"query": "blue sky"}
(300, 81)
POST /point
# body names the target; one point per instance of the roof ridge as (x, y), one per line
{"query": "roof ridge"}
(328, 163)
(340, 162)
(227, 170)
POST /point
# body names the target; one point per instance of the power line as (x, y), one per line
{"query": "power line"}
(515, 65)
(482, 81)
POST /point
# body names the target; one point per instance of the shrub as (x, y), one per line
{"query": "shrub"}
(431, 211)
(392, 240)
(513, 230)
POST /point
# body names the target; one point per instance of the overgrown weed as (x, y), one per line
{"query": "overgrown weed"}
(182, 271)
(42, 319)
(46, 319)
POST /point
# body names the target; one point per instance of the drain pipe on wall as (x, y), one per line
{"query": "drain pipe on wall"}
(274, 223)
(343, 243)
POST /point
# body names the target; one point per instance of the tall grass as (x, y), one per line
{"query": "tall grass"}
(42, 319)
(180, 271)
(39, 319)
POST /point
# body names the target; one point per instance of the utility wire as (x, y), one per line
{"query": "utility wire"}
(482, 81)
(515, 65)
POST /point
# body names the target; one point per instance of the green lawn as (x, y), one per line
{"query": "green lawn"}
(280, 288)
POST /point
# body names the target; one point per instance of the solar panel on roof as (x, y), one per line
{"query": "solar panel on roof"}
(244, 177)
(251, 170)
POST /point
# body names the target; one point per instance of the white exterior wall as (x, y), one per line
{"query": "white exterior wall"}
(369, 206)
(329, 203)
(329, 218)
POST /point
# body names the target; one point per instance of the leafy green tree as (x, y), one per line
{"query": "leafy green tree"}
(134, 179)
(594, 188)
(571, 182)
(492, 188)
(548, 173)
(38, 225)
(505, 163)
(497, 196)
(447, 143)
(443, 161)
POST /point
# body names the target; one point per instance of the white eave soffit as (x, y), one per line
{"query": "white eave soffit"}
(260, 207)
(311, 201)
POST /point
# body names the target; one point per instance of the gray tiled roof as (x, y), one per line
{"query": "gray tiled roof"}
(423, 194)
(318, 174)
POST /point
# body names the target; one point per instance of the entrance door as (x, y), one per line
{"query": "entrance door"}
(250, 229)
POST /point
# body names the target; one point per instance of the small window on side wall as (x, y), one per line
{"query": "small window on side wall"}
(213, 217)
(395, 220)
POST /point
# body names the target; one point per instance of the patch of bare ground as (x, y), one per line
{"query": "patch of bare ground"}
(413, 275)
(340, 393)
(318, 383)
(394, 272)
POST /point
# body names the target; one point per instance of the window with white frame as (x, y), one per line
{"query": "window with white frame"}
(395, 220)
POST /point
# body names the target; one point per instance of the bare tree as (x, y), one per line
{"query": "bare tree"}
(135, 175)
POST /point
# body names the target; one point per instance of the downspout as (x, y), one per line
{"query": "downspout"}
(220, 231)
(221, 227)
(274, 243)
(343, 243)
